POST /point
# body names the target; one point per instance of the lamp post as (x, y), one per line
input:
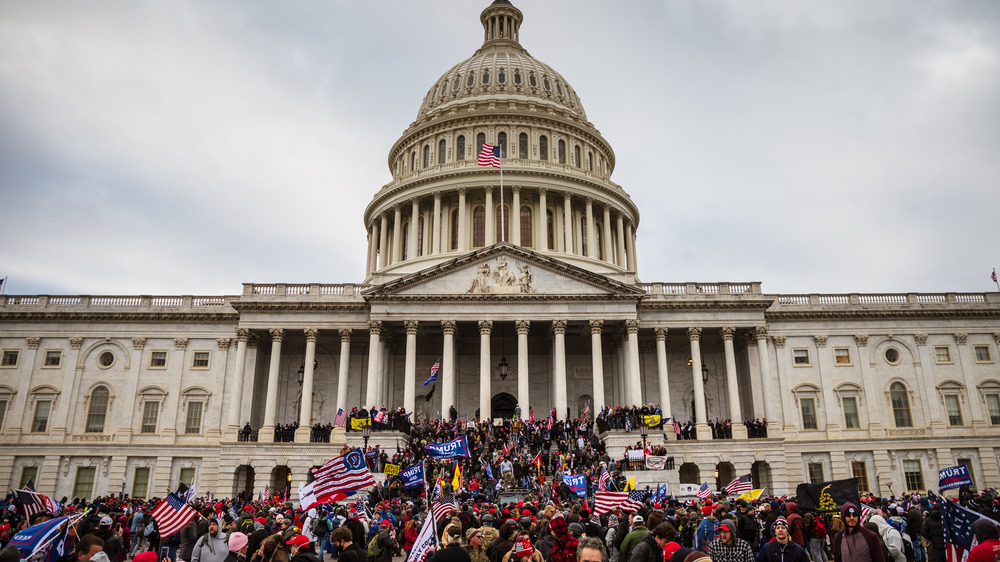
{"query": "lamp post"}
(503, 367)
(644, 431)
(366, 433)
(301, 374)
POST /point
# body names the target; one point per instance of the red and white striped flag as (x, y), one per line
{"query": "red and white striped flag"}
(704, 491)
(489, 156)
(340, 475)
(171, 515)
(602, 482)
(739, 485)
(341, 418)
(605, 501)
(444, 506)
(32, 502)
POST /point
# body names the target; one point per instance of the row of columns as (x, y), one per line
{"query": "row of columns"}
(619, 249)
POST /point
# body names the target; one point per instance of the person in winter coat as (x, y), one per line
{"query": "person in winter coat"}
(855, 542)
(933, 531)
(989, 541)
(781, 548)
(301, 549)
(503, 543)
(639, 532)
(705, 532)
(892, 539)
(386, 542)
(113, 546)
(729, 547)
(796, 525)
(564, 547)
(212, 546)
(237, 547)
(651, 547)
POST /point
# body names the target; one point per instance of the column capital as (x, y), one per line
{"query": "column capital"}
(921, 339)
(345, 334)
(589, 201)
(567, 195)
(375, 327)
(820, 340)
(559, 326)
(515, 189)
(779, 341)
(312, 334)
(661, 334)
(223, 343)
(728, 332)
(411, 327)
(996, 337)
(485, 327)
(522, 326)
(277, 334)
(437, 195)
(632, 326)
(76, 342)
(961, 338)
(543, 190)
(138, 343)
(861, 340)
(448, 327)
(180, 343)
(488, 189)
(242, 334)
(252, 340)
(596, 326)
(694, 333)
(760, 332)
(751, 338)
(462, 190)
(33, 342)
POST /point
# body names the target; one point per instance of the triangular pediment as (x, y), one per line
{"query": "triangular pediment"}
(504, 270)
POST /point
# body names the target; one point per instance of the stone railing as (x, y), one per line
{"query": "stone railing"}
(866, 299)
(709, 289)
(131, 303)
(314, 290)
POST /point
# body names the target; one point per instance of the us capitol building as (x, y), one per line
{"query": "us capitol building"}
(108, 394)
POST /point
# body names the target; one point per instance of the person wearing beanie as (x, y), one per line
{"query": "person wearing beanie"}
(989, 541)
(237, 547)
(213, 546)
(475, 547)
(729, 547)
(781, 548)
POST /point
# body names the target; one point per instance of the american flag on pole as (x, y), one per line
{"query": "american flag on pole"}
(739, 485)
(959, 537)
(444, 506)
(172, 514)
(32, 502)
(341, 418)
(704, 491)
(361, 507)
(434, 372)
(489, 156)
(605, 501)
(602, 482)
(342, 474)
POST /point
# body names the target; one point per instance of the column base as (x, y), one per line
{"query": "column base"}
(338, 437)
(231, 433)
(739, 431)
(704, 431)
(266, 434)
(303, 434)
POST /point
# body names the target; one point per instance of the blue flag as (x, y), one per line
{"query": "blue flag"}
(48, 539)
(454, 449)
(412, 476)
(661, 494)
(954, 477)
(957, 523)
(577, 483)
(489, 472)
(434, 372)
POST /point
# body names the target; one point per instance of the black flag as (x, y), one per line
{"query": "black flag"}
(827, 497)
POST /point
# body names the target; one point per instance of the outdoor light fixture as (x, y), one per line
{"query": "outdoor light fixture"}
(504, 367)
(704, 374)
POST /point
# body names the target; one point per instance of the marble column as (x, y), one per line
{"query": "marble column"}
(271, 397)
(764, 360)
(372, 250)
(560, 399)
(397, 234)
(597, 362)
(463, 221)
(609, 249)
(515, 216)
(448, 328)
(630, 247)
(410, 367)
(542, 238)
(437, 231)
(383, 242)
(732, 384)
(522, 327)
(375, 328)
(344, 368)
(634, 381)
(622, 261)
(491, 218)
(661, 369)
(700, 415)
(411, 250)
(308, 368)
(568, 222)
(485, 330)
(591, 239)
(236, 397)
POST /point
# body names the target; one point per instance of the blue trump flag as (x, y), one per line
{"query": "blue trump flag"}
(954, 477)
(661, 493)
(412, 476)
(49, 536)
(454, 449)
(577, 483)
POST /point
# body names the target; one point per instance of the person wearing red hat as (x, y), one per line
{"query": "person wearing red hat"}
(301, 549)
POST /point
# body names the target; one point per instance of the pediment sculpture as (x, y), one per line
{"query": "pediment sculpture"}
(501, 280)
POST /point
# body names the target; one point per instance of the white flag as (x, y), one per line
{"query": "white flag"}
(306, 496)
(425, 541)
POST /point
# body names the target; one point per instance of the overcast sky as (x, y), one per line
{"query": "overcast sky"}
(186, 147)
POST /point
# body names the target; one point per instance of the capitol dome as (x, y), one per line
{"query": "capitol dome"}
(556, 169)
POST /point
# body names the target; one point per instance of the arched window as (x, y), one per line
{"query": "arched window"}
(413, 162)
(460, 148)
(501, 77)
(590, 161)
(486, 77)
(97, 410)
(543, 147)
(562, 151)
(502, 143)
(406, 238)
(526, 226)
(576, 156)
(600, 243)
(532, 80)
(479, 227)
(480, 141)
(441, 150)
(444, 88)
(522, 146)
(551, 228)
(454, 229)
(420, 236)
(471, 81)
(545, 82)
(456, 84)
(427, 156)
(503, 222)
(900, 405)
(583, 235)
(517, 77)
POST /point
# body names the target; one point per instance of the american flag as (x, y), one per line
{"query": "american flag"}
(704, 491)
(957, 522)
(32, 502)
(341, 418)
(434, 372)
(360, 506)
(172, 514)
(739, 485)
(341, 474)
(444, 506)
(602, 482)
(993, 275)
(605, 501)
(489, 156)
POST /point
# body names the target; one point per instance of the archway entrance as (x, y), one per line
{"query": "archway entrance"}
(503, 405)
(690, 474)
(281, 480)
(243, 481)
(760, 474)
(725, 472)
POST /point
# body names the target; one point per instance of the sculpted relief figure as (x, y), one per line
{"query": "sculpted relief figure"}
(524, 281)
(502, 280)
(502, 277)
(480, 284)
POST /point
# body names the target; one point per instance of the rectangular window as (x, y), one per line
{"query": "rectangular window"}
(954, 409)
(942, 354)
(140, 482)
(158, 359)
(28, 474)
(993, 405)
(800, 356)
(808, 413)
(53, 358)
(816, 472)
(851, 420)
(200, 360)
(192, 423)
(859, 469)
(914, 476)
(83, 486)
(187, 476)
(40, 422)
(842, 356)
(9, 358)
(967, 463)
(150, 414)
(983, 354)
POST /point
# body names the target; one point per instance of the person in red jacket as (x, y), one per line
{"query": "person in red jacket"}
(796, 525)
(989, 541)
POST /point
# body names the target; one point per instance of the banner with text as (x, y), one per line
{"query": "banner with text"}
(656, 463)
(454, 449)
(391, 469)
(413, 476)
(577, 483)
(954, 477)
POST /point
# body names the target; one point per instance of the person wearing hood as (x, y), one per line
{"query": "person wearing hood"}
(781, 548)
(855, 542)
(705, 532)
(729, 547)
(796, 525)
(933, 532)
(564, 546)
(213, 546)
(989, 541)
(892, 538)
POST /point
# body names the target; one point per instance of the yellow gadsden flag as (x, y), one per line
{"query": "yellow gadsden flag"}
(456, 482)
(751, 495)
(651, 421)
(358, 423)
(630, 485)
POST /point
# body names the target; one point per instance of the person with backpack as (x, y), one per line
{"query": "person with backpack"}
(213, 546)
(383, 543)
(892, 538)
(781, 548)
(855, 542)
